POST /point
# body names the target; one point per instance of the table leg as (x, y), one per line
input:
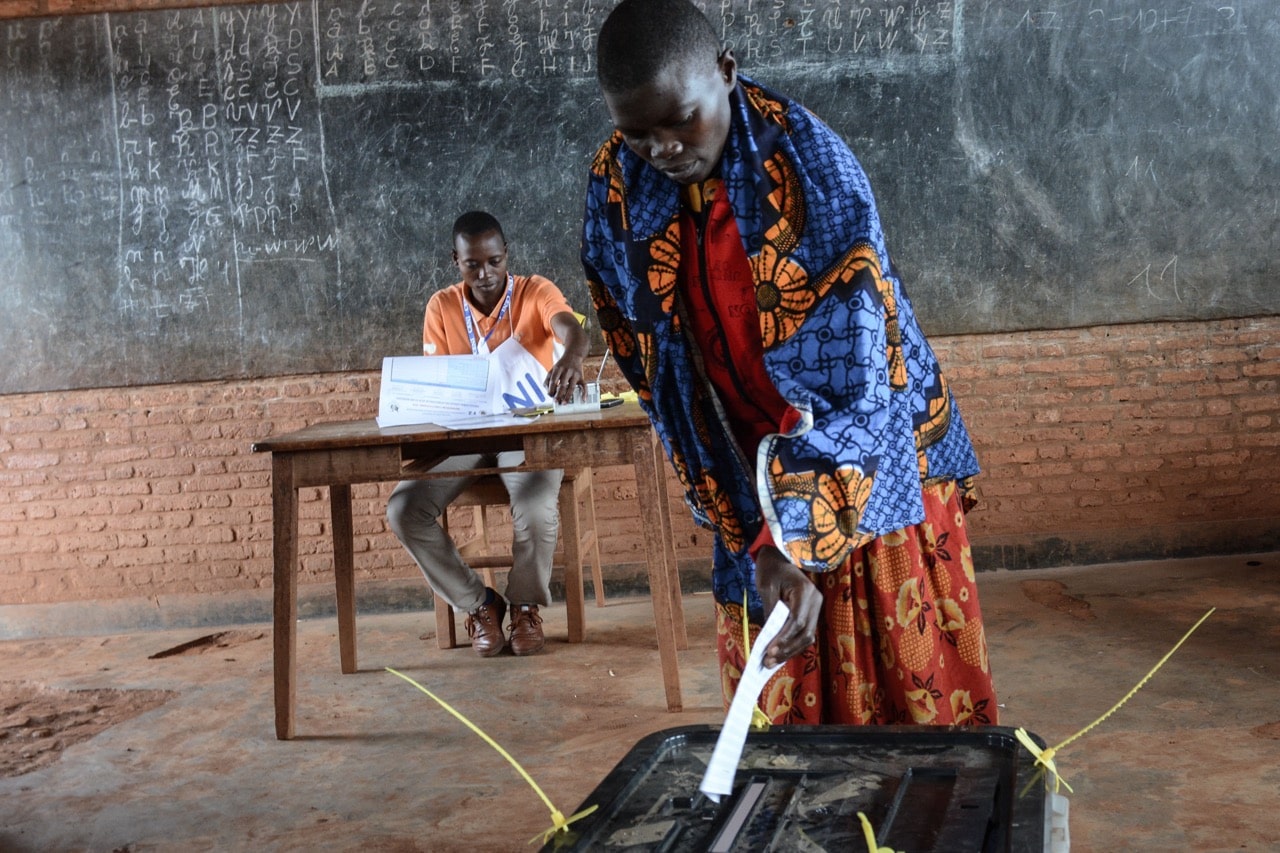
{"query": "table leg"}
(571, 540)
(669, 546)
(284, 547)
(344, 573)
(651, 497)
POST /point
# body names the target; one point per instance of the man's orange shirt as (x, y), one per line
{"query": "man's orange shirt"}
(534, 301)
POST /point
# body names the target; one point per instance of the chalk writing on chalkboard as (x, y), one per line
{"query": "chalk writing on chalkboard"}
(240, 191)
(394, 44)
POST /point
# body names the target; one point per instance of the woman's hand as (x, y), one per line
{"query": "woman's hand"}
(778, 579)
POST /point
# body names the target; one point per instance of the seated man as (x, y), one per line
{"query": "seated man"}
(510, 319)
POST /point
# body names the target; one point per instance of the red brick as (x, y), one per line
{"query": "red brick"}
(35, 423)
(1080, 414)
(1233, 389)
(198, 432)
(1132, 391)
(30, 442)
(154, 436)
(229, 551)
(220, 449)
(1223, 460)
(170, 469)
(123, 487)
(1008, 351)
(1094, 380)
(219, 413)
(1095, 450)
(1265, 402)
(1173, 377)
(1270, 367)
(215, 483)
(31, 460)
(120, 454)
(215, 499)
(1174, 447)
(1138, 497)
(86, 507)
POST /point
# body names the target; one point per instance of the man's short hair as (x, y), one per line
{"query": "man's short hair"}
(642, 37)
(473, 223)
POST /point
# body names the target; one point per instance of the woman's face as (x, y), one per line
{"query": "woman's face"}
(679, 121)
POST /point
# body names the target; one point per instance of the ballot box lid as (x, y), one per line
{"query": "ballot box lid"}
(923, 788)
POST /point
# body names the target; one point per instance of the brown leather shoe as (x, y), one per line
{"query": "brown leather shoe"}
(526, 630)
(484, 627)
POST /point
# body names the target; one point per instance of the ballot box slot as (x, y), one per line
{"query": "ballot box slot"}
(933, 808)
(742, 807)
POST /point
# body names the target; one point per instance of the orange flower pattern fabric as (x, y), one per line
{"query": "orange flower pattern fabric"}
(902, 638)
(665, 254)
(835, 502)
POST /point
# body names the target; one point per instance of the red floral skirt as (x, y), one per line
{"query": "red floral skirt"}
(900, 639)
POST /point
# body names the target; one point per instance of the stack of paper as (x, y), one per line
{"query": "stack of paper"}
(438, 389)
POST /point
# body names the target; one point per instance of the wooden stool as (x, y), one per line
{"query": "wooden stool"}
(576, 538)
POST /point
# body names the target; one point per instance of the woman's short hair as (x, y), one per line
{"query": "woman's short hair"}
(642, 37)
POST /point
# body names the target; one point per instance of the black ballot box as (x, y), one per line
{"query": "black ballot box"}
(800, 788)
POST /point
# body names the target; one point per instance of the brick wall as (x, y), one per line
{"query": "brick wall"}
(1102, 444)
(1123, 442)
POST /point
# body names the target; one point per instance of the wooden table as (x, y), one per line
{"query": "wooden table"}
(339, 455)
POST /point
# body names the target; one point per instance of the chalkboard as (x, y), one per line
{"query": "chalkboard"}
(245, 191)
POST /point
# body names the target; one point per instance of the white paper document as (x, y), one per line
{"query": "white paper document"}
(419, 389)
(718, 780)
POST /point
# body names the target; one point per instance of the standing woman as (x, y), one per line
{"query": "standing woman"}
(736, 261)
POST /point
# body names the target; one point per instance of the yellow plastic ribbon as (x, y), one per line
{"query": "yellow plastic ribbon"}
(1044, 757)
(559, 823)
(870, 835)
(759, 719)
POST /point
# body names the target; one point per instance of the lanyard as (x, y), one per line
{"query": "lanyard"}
(472, 325)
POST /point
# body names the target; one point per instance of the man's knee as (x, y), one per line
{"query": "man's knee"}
(397, 506)
(538, 517)
(407, 510)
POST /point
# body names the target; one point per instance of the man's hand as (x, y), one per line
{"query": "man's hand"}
(566, 374)
(778, 579)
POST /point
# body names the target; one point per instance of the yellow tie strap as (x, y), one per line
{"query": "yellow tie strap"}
(869, 835)
(1044, 757)
(559, 823)
(760, 721)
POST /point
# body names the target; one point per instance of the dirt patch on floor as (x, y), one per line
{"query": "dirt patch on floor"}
(1270, 731)
(1053, 594)
(37, 723)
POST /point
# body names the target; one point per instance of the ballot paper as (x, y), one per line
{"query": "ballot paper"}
(441, 389)
(718, 780)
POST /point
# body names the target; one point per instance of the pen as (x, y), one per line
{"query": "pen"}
(603, 360)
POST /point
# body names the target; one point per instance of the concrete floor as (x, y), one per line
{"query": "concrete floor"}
(1192, 762)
